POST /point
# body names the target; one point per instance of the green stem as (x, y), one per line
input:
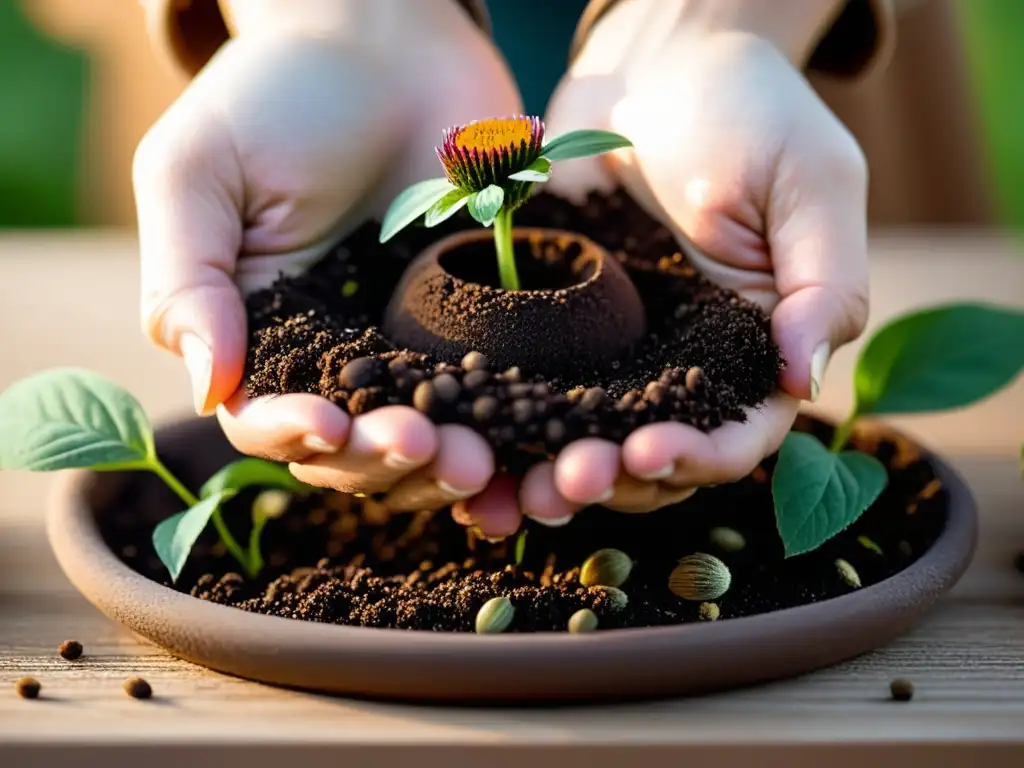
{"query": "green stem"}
(506, 251)
(255, 556)
(191, 500)
(842, 433)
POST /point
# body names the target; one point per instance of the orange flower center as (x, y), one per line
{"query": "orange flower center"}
(500, 133)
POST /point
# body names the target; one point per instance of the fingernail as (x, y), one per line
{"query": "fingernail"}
(659, 474)
(199, 362)
(552, 522)
(319, 445)
(606, 496)
(395, 460)
(452, 492)
(495, 539)
(818, 362)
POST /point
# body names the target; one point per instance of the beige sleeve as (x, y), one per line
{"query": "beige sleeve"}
(186, 33)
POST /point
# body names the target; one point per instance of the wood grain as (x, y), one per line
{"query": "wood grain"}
(966, 659)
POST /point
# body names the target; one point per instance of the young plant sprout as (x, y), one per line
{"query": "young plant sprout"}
(490, 167)
(67, 418)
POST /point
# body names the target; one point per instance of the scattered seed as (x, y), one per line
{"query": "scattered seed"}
(694, 376)
(867, 543)
(270, 504)
(28, 688)
(475, 361)
(447, 388)
(349, 288)
(727, 539)
(848, 573)
(137, 688)
(360, 372)
(906, 549)
(494, 616)
(901, 689)
(615, 597)
(709, 611)
(424, 397)
(584, 620)
(700, 577)
(474, 380)
(606, 568)
(70, 649)
(933, 487)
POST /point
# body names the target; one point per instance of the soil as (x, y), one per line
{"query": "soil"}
(321, 333)
(336, 559)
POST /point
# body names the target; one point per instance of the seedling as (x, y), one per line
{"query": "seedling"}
(936, 359)
(490, 168)
(68, 418)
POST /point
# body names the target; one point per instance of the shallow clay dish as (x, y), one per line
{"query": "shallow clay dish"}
(460, 667)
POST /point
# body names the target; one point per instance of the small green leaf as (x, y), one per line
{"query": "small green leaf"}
(818, 493)
(939, 358)
(245, 473)
(67, 418)
(537, 171)
(411, 204)
(447, 207)
(174, 538)
(485, 204)
(521, 547)
(583, 144)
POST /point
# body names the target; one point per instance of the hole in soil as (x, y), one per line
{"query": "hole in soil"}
(549, 263)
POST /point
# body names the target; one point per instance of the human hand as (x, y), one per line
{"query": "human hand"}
(765, 190)
(293, 133)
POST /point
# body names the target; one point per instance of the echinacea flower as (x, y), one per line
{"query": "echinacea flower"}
(490, 167)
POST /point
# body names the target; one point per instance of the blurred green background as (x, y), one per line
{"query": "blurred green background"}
(45, 93)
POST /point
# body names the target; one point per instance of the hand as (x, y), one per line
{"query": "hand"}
(765, 190)
(292, 134)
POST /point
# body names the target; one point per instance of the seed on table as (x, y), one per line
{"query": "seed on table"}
(447, 388)
(70, 649)
(606, 568)
(901, 689)
(137, 688)
(28, 688)
(700, 577)
(584, 620)
(424, 397)
(475, 361)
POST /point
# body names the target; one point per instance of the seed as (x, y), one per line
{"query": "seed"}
(70, 649)
(137, 688)
(522, 411)
(554, 431)
(485, 408)
(447, 388)
(606, 568)
(867, 543)
(654, 393)
(700, 577)
(28, 688)
(592, 399)
(270, 504)
(709, 611)
(424, 398)
(906, 549)
(475, 379)
(494, 616)
(694, 377)
(727, 539)
(349, 288)
(848, 573)
(901, 689)
(475, 361)
(361, 372)
(513, 374)
(613, 596)
(584, 620)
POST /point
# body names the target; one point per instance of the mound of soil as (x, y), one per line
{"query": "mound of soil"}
(336, 559)
(707, 354)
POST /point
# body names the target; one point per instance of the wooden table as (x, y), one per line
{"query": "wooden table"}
(71, 299)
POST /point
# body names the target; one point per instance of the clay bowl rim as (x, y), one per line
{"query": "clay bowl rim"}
(243, 640)
(436, 250)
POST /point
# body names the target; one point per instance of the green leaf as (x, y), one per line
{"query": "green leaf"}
(66, 418)
(485, 204)
(818, 493)
(447, 207)
(583, 144)
(939, 358)
(411, 204)
(174, 538)
(245, 473)
(521, 547)
(537, 171)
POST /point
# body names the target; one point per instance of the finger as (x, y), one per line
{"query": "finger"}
(291, 427)
(189, 193)
(630, 498)
(540, 500)
(818, 238)
(585, 471)
(462, 468)
(684, 457)
(495, 511)
(383, 446)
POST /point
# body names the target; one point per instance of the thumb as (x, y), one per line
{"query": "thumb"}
(818, 242)
(189, 192)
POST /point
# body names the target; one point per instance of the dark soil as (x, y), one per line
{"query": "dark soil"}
(333, 558)
(308, 332)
